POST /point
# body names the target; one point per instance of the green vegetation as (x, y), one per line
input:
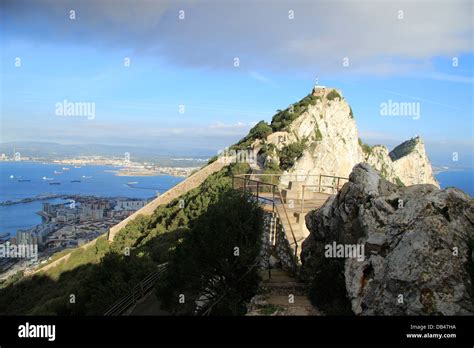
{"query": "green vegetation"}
(404, 148)
(55, 257)
(98, 276)
(271, 168)
(367, 149)
(291, 153)
(350, 113)
(268, 149)
(284, 118)
(399, 182)
(333, 95)
(260, 131)
(269, 309)
(317, 134)
(212, 159)
(216, 261)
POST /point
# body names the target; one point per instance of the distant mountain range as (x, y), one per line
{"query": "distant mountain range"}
(49, 151)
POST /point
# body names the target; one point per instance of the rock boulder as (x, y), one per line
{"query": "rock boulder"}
(417, 242)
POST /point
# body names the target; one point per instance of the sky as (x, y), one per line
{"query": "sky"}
(195, 76)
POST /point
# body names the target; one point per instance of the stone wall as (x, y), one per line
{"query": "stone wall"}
(186, 185)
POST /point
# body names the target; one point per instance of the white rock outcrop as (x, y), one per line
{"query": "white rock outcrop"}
(333, 146)
(417, 248)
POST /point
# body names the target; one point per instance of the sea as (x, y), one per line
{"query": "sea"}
(95, 180)
(462, 179)
(101, 181)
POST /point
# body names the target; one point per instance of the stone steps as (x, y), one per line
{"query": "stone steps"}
(280, 294)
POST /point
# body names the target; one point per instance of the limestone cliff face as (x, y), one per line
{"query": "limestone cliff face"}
(333, 147)
(416, 243)
(411, 163)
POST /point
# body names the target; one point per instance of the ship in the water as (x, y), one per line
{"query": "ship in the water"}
(24, 180)
(46, 178)
(75, 180)
(55, 183)
(4, 237)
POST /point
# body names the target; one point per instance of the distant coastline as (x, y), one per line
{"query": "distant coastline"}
(441, 169)
(124, 166)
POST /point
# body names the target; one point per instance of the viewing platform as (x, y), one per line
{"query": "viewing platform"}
(290, 197)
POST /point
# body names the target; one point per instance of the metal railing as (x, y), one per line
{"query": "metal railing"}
(320, 179)
(138, 292)
(250, 183)
(276, 179)
(319, 186)
(260, 188)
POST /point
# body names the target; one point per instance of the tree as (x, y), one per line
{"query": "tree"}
(214, 266)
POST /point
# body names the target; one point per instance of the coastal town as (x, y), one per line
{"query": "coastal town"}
(124, 165)
(70, 224)
(76, 219)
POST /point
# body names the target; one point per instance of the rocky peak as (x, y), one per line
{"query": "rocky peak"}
(322, 124)
(417, 244)
(406, 148)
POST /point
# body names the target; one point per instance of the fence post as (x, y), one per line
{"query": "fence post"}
(273, 198)
(302, 199)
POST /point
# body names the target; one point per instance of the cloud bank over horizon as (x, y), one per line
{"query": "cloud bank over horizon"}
(377, 37)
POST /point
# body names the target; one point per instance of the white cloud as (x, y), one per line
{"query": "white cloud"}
(450, 77)
(259, 77)
(260, 33)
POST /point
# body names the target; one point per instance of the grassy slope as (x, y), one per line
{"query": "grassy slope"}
(96, 277)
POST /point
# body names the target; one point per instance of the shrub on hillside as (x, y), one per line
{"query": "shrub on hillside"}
(291, 153)
(333, 95)
(283, 119)
(213, 266)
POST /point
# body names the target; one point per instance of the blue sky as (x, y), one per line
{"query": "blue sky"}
(190, 62)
